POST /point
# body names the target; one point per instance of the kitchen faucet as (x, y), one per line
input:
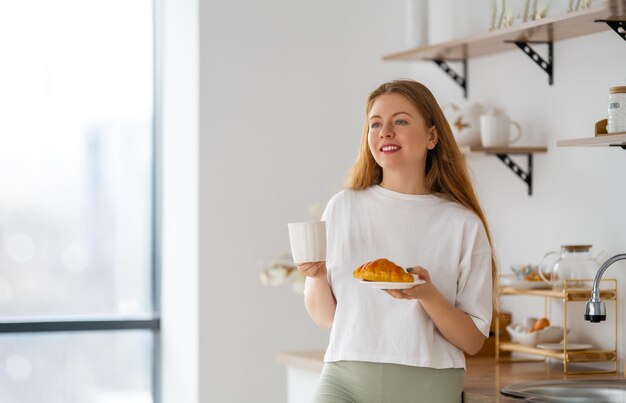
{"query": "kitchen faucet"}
(595, 311)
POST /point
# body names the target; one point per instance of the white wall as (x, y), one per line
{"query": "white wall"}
(282, 90)
(283, 85)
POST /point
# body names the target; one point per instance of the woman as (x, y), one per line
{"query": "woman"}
(409, 199)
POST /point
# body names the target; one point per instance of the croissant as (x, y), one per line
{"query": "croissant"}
(382, 270)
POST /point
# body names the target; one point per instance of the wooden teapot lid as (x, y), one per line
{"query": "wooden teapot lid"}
(576, 248)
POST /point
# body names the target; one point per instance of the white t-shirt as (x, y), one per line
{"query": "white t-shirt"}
(444, 237)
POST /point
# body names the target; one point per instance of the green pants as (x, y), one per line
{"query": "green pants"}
(370, 382)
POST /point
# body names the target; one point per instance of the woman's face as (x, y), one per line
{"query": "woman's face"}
(398, 136)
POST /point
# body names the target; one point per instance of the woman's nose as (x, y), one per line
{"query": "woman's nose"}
(387, 131)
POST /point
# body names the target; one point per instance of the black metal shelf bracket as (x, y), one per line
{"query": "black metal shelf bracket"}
(618, 26)
(524, 175)
(460, 80)
(546, 65)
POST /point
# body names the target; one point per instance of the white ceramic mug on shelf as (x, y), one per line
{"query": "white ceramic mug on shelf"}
(495, 130)
(308, 241)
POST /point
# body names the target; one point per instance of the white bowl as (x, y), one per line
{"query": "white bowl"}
(550, 334)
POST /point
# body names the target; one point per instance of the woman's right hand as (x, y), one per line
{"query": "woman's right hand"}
(313, 269)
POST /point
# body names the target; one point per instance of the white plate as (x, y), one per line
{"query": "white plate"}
(392, 285)
(570, 346)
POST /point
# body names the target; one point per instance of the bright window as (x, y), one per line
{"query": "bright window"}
(77, 367)
(77, 200)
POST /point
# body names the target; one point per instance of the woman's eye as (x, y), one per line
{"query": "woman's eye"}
(375, 125)
(402, 122)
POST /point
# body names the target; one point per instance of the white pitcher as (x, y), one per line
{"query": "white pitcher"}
(495, 130)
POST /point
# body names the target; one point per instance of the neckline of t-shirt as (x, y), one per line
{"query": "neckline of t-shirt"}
(402, 196)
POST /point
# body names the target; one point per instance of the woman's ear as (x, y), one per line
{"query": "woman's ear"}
(433, 137)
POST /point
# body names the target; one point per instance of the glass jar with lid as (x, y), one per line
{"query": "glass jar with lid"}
(617, 110)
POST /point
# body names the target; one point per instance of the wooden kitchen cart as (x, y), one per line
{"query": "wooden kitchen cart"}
(608, 292)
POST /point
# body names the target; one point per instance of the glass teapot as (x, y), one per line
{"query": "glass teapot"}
(574, 263)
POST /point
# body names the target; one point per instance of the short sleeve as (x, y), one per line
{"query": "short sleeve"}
(474, 284)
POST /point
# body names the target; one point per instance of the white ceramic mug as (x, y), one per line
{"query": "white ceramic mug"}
(308, 241)
(495, 130)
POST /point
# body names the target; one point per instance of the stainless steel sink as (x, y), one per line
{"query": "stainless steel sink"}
(574, 390)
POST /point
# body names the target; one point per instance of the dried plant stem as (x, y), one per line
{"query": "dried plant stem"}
(501, 14)
(527, 3)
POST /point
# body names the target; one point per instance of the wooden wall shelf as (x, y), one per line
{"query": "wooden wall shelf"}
(503, 154)
(548, 29)
(545, 31)
(503, 150)
(611, 140)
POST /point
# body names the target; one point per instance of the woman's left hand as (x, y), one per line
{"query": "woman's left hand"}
(420, 291)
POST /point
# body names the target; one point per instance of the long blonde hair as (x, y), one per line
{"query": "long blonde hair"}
(446, 173)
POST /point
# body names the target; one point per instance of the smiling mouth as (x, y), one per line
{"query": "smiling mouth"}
(387, 149)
